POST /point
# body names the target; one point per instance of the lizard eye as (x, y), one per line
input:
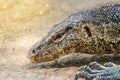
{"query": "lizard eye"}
(59, 37)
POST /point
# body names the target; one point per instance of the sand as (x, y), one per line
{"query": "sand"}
(24, 22)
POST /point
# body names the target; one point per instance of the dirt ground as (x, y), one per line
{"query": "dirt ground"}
(22, 23)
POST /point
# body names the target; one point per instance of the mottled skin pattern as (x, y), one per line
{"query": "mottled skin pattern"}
(95, 31)
(95, 71)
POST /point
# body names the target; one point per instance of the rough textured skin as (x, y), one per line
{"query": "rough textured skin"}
(95, 31)
(95, 71)
(76, 59)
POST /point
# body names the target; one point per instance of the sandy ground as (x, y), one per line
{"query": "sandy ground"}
(22, 23)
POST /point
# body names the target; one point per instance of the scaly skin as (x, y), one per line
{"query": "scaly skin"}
(95, 31)
(95, 71)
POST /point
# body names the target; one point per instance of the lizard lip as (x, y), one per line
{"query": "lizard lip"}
(30, 56)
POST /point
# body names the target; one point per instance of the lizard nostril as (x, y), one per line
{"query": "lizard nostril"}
(33, 51)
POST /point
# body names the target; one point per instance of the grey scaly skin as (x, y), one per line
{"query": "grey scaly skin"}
(95, 31)
(95, 71)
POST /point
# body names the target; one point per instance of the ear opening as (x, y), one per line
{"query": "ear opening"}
(88, 31)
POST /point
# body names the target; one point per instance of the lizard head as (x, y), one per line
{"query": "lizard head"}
(58, 42)
(77, 37)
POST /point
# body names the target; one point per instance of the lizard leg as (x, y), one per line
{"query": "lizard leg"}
(109, 64)
(89, 70)
(115, 77)
(86, 75)
(96, 65)
(86, 72)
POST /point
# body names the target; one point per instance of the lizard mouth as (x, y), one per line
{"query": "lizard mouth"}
(40, 58)
(31, 58)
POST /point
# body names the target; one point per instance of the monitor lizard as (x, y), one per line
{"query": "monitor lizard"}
(94, 31)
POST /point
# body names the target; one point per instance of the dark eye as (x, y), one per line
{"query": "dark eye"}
(59, 37)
